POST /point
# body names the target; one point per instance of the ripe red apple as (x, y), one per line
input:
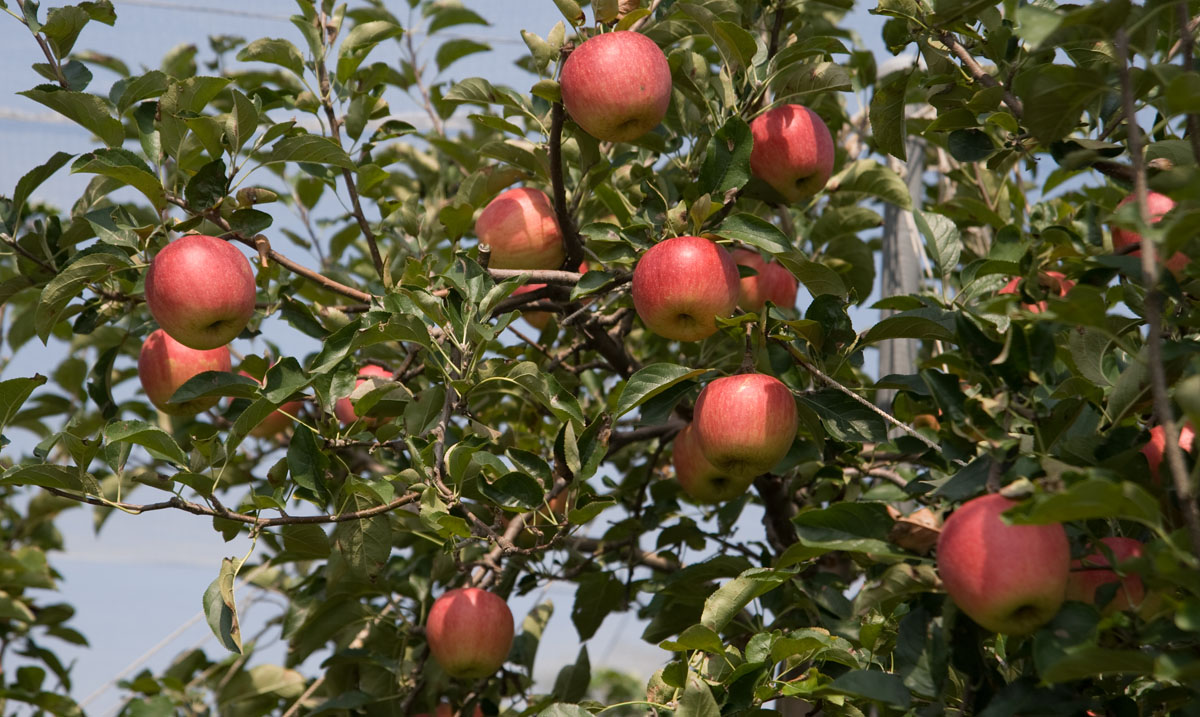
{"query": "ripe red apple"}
(164, 365)
(700, 480)
(773, 282)
(279, 421)
(745, 424)
(1053, 281)
(617, 86)
(200, 290)
(539, 319)
(344, 409)
(1157, 446)
(520, 227)
(682, 284)
(1008, 578)
(793, 151)
(1089, 574)
(1157, 205)
(470, 632)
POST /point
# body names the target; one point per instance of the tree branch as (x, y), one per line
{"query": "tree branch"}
(978, 72)
(41, 41)
(548, 276)
(1154, 306)
(566, 225)
(220, 511)
(650, 559)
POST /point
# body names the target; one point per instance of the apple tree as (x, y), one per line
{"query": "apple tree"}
(554, 336)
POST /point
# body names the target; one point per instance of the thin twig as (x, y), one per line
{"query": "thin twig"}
(800, 359)
(1154, 307)
(41, 41)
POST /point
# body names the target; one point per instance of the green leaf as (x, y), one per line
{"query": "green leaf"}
(34, 178)
(451, 15)
(309, 148)
(136, 89)
(696, 637)
(926, 323)
(89, 111)
(724, 605)
(650, 381)
(305, 541)
(69, 284)
(572, 682)
(697, 700)
(874, 685)
(219, 607)
(817, 278)
(62, 28)
(755, 231)
(887, 114)
(207, 186)
(560, 709)
(456, 49)
(1054, 96)
(514, 490)
(571, 11)
(727, 157)
(48, 475)
(867, 177)
(943, 241)
(970, 145)
(359, 43)
(1183, 94)
(13, 393)
(125, 167)
(735, 43)
(275, 51)
(361, 547)
(155, 440)
(1085, 661)
(844, 418)
(1094, 498)
(855, 527)
(306, 462)
(215, 383)
(598, 595)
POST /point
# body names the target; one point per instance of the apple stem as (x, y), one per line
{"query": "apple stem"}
(1154, 305)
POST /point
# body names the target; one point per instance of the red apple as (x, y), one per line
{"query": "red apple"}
(793, 151)
(773, 283)
(1008, 578)
(1157, 205)
(617, 86)
(279, 421)
(700, 480)
(470, 632)
(1089, 574)
(682, 284)
(164, 365)
(520, 227)
(928, 421)
(745, 424)
(539, 319)
(1053, 281)
(344, 409)
(1156, 447)
(200, 290)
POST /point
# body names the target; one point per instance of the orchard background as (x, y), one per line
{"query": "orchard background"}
(1002, 154)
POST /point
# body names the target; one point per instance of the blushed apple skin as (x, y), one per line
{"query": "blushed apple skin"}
(1056, 281)
(773, 283)
(470, 632)
(701, 480)
(1157, 205)
(745, 424)
(1090, 573)
(200, 290)
(344, 409)
(1010, 579)
(164, 365)
(520, 227)
(682, 284)
(793, 151)
(617, 86)
(1156, 447)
